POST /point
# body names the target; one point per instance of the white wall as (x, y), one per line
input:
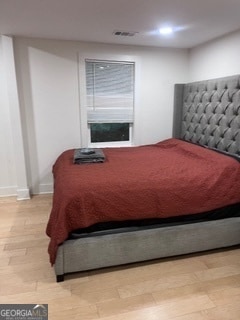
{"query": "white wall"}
(8, 180)
(216, 59)
(15, 118)
(47, 74)
(48, 86)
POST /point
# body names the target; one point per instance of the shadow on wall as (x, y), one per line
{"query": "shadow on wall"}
(49, 103)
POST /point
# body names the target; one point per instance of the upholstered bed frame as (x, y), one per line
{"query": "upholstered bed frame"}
(206, 113)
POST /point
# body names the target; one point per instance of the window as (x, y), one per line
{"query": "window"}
(109, 132)
(110, 101)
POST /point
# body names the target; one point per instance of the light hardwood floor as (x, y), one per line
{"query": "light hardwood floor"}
(194, 287)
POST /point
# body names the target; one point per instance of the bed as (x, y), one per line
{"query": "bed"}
(166, 217)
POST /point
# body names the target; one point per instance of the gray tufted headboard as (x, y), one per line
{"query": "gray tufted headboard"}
(208, 113)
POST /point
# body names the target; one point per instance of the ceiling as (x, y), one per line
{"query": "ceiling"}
(195, 21)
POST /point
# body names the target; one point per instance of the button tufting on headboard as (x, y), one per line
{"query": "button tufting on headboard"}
(209, 113)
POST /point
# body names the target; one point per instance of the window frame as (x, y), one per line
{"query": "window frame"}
(85, 126)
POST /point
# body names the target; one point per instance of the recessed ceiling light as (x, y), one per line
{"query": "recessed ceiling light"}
(166, 30)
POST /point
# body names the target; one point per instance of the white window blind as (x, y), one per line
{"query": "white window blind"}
(110, 91)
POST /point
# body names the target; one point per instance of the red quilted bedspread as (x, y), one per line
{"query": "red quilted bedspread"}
(170, 178)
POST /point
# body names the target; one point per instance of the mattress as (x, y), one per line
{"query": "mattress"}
(113, 227)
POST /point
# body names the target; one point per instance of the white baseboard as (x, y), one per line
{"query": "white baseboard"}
(43, 188)
(8, 191)
(23, 194)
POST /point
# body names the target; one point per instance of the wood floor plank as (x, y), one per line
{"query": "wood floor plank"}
(229, 312)
(77, 313)
(40, 297)
(216, 273)
(187, 305)
(216, 262)
(13, 253)
(226, 297)
(94, 297)
(40, 255)
(220, 283)
(25, 244)
(190, 316)
(14, 285)
(4, 262)
(172, 294)
(156, 285)
(125, 305)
